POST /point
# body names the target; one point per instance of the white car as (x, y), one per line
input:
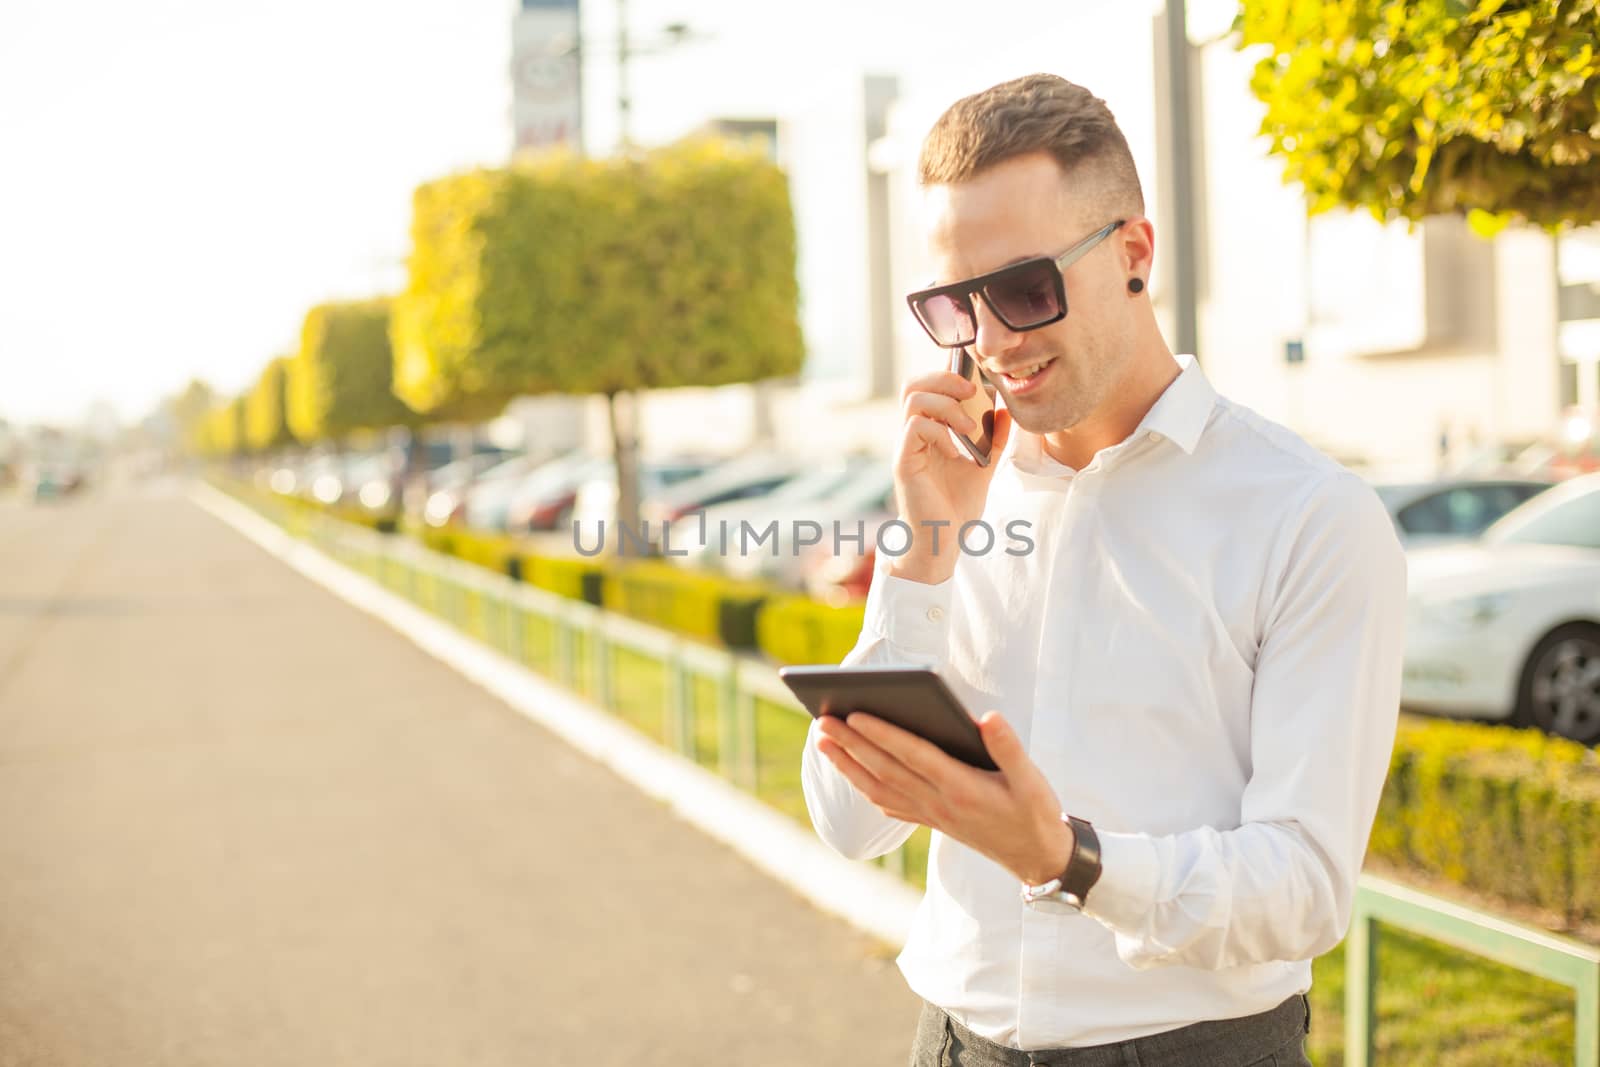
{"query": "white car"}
(1508, 626)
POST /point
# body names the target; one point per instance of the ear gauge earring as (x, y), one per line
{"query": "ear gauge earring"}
(1135, 285)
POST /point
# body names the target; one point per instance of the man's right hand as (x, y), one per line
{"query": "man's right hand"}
(935, 481)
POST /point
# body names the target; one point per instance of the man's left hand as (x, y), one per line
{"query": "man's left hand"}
(1011, 815)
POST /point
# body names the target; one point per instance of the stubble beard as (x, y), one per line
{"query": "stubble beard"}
(1062, 405)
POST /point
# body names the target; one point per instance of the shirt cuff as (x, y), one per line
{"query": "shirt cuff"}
(912, 616)
(1125, 894)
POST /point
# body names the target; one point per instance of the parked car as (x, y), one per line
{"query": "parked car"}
(866, 499)
(804, 497)
(449, 486)
(50, 481)
(754, 474)
(596, 498)
(489, 499)
(324, 478)
(1454, 509)
(543, 499)
(1508, 626)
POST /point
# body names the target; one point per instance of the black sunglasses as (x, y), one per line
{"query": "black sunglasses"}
(1023, 296)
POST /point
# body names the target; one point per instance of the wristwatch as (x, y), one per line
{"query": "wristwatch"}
(1067, 891)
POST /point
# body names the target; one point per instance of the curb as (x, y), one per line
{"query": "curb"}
(871, 900)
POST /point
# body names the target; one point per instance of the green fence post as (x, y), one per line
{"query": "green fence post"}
(727, 720)
(1586, 1032)
(566, 669)
(517, 631)
(600, 666)
(1361, 986)
(495, 622)
(745, 723)
(683, 681)
(672, 668)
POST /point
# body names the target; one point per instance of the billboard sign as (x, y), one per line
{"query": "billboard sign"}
(546, 100)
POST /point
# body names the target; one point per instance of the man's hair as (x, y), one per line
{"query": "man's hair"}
(1038, 113)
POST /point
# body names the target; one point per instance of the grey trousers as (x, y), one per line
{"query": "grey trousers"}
(1274, 1038)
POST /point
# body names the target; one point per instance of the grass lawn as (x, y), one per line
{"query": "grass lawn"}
(1437, 1007)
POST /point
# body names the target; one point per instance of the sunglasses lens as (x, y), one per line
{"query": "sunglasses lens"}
(948, 319)
(1028, 297)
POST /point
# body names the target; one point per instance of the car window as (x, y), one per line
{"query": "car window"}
(1462, 511)
(1430, 515)
(1575, 521)
(674, 475)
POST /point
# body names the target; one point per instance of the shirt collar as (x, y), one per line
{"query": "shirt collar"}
(1179, 414)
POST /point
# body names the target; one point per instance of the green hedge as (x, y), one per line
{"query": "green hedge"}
(1511, 813)
(700, 605)
(578, 579)
(495, 552)
(797, 629)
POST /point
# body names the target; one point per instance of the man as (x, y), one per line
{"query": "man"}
(1194, 676)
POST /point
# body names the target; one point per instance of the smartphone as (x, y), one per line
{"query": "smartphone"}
(980, 406)
(913, 698)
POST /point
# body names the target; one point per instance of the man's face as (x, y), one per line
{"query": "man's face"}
(1016, 210)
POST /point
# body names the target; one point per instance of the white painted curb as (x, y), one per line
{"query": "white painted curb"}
(866, 897)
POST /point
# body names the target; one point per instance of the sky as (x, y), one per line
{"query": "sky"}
(180, 181)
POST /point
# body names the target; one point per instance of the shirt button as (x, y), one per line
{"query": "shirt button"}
(935, 614)
(1154, 436)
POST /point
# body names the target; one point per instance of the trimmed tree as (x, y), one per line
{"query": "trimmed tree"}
(266, 423)
(1489, 108)
(340, 379)
(599, 276)
(221, 433)
(189, 410)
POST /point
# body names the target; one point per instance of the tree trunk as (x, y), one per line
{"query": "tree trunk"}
(623, 409)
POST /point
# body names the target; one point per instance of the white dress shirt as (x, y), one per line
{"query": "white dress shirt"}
(1202, 654)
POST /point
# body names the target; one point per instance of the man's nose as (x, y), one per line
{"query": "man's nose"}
(993, 337)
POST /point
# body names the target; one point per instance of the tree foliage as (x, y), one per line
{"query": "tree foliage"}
(575, 275)
(266, 423)
(222, 431)
(340, 379)
(1488, 108)
(189, 410)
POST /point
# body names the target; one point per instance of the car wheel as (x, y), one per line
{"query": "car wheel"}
(1560, 690)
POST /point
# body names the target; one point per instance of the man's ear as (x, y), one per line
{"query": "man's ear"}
(1137, 247)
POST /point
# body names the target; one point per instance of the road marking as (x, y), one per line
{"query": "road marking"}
(868, 898)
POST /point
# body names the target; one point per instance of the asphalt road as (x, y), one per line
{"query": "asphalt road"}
(243, 824)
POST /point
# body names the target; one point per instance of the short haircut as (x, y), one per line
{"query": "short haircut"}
(1037, 113)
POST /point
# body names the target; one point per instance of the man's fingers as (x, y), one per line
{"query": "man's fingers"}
(864, 781)
(944, 381)
(921, 761)
(938, 406)
(864, 737)
(932, 435)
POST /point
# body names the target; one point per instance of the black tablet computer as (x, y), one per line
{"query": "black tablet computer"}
(913, 698)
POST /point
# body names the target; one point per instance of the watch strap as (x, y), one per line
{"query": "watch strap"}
(1083, 869)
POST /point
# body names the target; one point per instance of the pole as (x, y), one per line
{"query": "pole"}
(1181, 152)
(624, 104)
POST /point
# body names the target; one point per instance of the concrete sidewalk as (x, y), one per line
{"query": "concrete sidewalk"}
(242, 823)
